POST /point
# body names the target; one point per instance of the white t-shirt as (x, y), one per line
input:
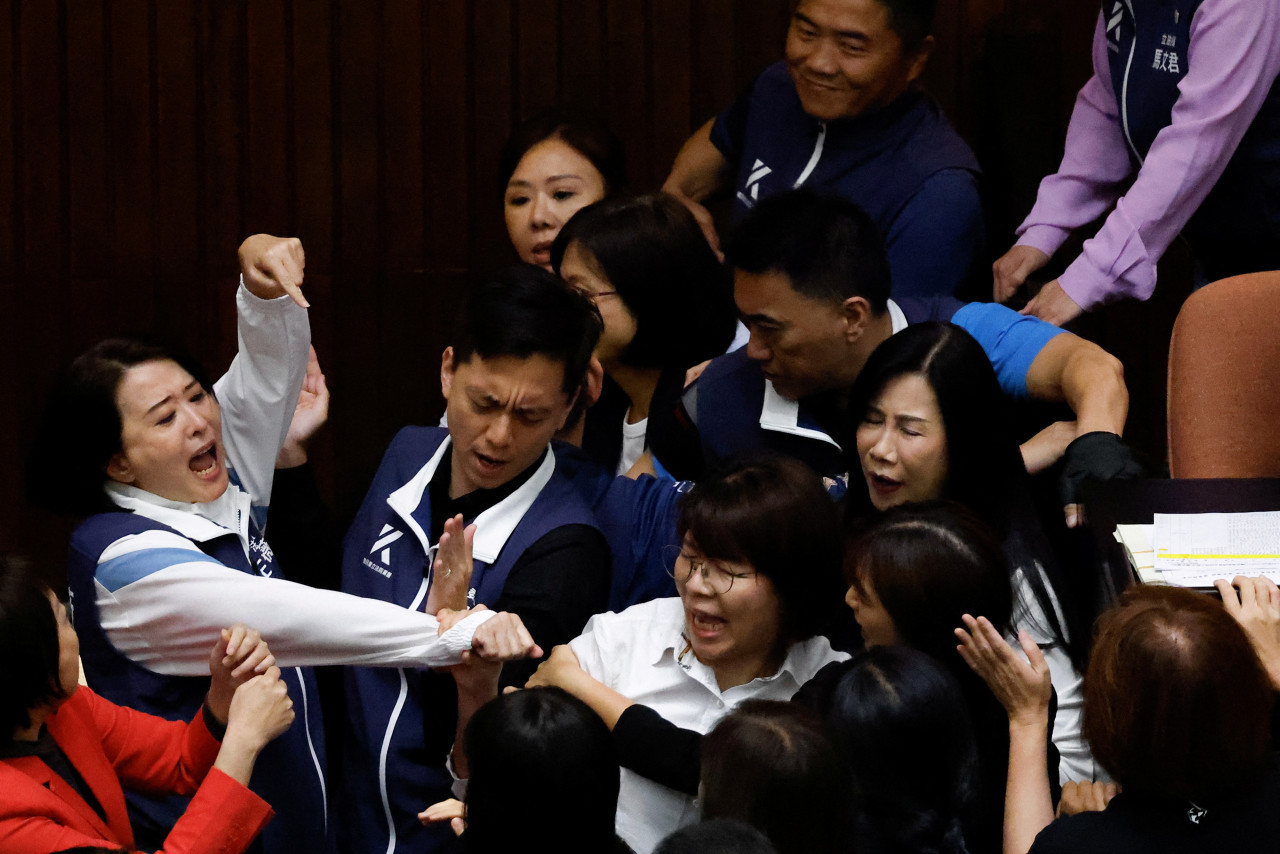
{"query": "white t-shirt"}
(632, 442)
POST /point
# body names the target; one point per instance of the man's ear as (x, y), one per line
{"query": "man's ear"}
(119, 470)
(593, 384)
(917, 61)
(446, 371)
(856, 313)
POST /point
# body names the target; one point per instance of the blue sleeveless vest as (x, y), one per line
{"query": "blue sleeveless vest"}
(1234, 230)
(392, 751)
(287, 775)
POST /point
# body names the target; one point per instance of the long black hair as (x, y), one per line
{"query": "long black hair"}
(985, 471)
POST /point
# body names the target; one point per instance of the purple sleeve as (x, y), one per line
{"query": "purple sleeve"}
(1095, 162)
(1233, 59)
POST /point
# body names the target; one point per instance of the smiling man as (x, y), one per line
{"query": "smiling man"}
(842, 113)
(519, 356)
(811, 281)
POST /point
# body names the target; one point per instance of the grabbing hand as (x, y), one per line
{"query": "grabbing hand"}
(239, 654)
(559, 670)
(1254, 603)
(1085, 797)
(451, 570)
(504, 638)
(1052, 305)
(273, 267)
(260, 710)
(1011, 269)
(1020, 684)
(452, 811)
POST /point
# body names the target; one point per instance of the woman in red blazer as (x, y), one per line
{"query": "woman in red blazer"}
(66, 753)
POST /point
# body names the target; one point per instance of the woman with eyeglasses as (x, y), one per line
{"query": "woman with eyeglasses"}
(666, 302)
(758, 573)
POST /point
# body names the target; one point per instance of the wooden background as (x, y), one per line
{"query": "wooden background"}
(141, 140)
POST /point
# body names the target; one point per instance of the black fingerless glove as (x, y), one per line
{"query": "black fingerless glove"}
(1095, 456)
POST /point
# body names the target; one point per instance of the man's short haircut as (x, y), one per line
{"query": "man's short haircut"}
(525, 311)
(827, 246)
(1176, 701)
(912, 20)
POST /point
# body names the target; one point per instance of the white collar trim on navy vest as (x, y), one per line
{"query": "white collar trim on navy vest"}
(494, 526)
(783, 416)
(896, 317)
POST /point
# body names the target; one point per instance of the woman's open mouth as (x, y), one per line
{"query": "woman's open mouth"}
(205, 463)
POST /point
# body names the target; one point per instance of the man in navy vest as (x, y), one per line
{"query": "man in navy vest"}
(842, 113)
(519, 357)
(811, 281)
(1179, 130)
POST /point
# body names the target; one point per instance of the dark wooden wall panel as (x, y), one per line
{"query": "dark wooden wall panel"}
(141, 140)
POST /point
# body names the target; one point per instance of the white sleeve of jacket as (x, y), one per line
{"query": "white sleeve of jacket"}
(162, 603)
(259, 392)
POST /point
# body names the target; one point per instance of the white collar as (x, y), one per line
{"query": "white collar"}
(494, 526)
(896, 317)
(226, 514)
(783, 416)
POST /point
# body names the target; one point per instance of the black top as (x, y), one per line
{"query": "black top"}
(47, 751)
(1243, 822)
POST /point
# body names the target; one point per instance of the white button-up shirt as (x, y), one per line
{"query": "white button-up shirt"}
(643, 654)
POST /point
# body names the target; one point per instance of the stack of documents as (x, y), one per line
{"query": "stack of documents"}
(1194, 549)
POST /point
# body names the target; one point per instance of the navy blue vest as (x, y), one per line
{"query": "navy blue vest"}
(285, 775)
(878, 160)
(638, 518)
(1234, 230)
(383, 559)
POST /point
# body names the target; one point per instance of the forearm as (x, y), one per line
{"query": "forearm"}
(698, 170)
(1028, 802)
(470, 699)
(603, 700)
(1095, 162)
(259, 392)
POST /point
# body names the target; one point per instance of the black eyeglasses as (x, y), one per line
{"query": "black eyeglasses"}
(681, 566)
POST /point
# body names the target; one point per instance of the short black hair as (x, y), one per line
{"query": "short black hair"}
(773, 513)
(581, 131)
(525, 311)
(652, 252)
(29, 640)
(532, 753)
(770, 763)
(912, 20)
(827, 246)
(908, 746)
(80, 429)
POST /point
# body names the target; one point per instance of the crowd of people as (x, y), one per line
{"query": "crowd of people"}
(727, 544)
